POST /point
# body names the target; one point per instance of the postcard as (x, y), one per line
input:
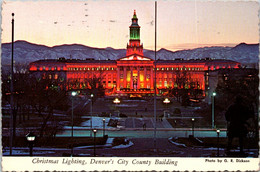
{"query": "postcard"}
(130, 85)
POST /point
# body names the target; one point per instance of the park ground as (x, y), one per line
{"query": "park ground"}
(129, 137)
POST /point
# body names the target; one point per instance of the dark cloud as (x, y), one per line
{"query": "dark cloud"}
(55, 22)
(112, 21)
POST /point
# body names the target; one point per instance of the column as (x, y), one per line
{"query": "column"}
(125, 78)
(145, 85)
(138, 77)
(131, 78)
(118, 79)
(151, 78)
(107, 80)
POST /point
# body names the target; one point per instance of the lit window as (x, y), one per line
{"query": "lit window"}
(165, 83)
(56, 76)
(107, 68)
(88, 68)
(93, 68)
(49, 76)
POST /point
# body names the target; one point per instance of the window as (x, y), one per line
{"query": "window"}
(56, 76)
(121, 76)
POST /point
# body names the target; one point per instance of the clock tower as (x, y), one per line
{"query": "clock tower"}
(134, 46)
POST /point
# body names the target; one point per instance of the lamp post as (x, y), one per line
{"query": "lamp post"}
(166, 101)
(213, 111)
(218, 131)
(12, 132)
(91, 111)
(94, 131)
(104, 122)
(116, 101)
(30, 138)
(192, 120)
(73, 94)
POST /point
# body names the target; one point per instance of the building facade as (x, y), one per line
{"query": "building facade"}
(133, 74)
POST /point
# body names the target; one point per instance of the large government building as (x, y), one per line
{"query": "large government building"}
(133, 74)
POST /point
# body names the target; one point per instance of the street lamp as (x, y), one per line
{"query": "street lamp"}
(218, 131)
(104, 121)
(73, 94)
(192, 120)
(213, 98)
(166, 101)
(30, 138)
(91, 111)
(116, 101)
(94, 131)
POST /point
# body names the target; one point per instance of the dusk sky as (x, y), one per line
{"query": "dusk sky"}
(181, 25)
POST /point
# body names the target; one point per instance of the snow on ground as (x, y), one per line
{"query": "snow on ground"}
(97, 122)
(58, 114)
(177, 144)
(108, 145)
(213, 148)
(26, 153)
(124, 146)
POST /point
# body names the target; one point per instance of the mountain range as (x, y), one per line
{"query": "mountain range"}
(26, 52)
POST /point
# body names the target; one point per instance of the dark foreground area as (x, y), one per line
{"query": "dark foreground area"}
(135, 147)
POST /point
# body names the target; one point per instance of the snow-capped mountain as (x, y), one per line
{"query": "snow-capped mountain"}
(25, 52)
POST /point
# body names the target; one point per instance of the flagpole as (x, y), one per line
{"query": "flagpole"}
(155, 78)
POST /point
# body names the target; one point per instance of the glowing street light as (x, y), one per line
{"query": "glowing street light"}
(73, 94)
(95, 132)
(116, 101)
(166, 101)
(213, 111)
(104, 122)
(30, 138)
(192, 120)
(218, 131)
(91, 112)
